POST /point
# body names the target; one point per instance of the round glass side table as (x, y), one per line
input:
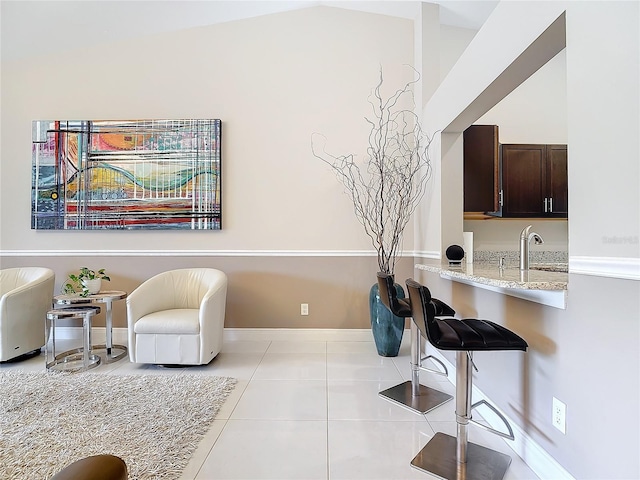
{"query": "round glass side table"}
(108, 351)
(78, 359)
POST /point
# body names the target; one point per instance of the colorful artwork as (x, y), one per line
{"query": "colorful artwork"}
(133, 174)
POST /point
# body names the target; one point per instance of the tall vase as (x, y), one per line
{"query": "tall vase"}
(387, 328)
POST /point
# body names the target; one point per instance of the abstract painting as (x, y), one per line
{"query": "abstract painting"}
(128, 174)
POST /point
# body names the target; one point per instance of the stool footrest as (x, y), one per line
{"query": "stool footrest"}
(488, 428)
(433, 370)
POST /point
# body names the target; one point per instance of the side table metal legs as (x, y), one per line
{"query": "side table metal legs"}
(75, 360)
(109, 352)
(454, 458)
(411, 394)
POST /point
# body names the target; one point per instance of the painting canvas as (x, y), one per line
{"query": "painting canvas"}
(130, 174)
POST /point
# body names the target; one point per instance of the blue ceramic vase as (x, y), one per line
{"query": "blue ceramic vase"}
(386, 327)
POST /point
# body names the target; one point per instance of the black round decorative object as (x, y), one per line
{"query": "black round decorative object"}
(455, 254)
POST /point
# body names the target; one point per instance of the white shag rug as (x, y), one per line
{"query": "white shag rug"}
(153, 422)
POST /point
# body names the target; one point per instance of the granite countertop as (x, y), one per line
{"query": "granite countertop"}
(489, 273)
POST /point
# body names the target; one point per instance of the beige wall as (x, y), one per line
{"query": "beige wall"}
(536, 111)
(289, 233)
(453, 41)
(604, 121)
(263, 292)
(273, 80)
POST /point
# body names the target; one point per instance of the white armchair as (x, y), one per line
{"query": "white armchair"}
(177, 317)
(26, 294)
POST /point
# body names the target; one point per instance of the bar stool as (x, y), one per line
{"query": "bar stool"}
(454, 457)
(411, 394)
(78, 359)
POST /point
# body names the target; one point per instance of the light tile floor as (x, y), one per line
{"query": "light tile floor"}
(311, 410)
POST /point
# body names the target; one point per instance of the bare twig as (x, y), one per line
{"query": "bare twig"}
(387, 187)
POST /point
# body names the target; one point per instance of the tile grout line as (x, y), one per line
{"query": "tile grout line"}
(326, 382)
(226, 421)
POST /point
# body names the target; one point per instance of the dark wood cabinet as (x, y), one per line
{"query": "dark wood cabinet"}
(534, 180)
(481, 169)
(557, 180)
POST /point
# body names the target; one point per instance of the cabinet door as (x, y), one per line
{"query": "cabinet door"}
(481, 169)
(523, 180)
(557, 191)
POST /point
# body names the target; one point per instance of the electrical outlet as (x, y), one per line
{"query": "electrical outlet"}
(304, 309)
(559, 419)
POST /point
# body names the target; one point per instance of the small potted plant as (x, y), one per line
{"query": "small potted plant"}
(85, 283)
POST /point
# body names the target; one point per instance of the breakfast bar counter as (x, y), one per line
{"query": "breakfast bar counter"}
(541, 284)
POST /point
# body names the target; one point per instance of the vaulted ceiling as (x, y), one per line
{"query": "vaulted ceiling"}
(31, 28)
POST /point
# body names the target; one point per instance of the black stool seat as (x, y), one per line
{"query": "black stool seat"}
(472, 334)
(469, 334)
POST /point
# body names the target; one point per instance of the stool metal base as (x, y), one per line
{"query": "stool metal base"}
(427, 400)
(438, 457)
(110, 355)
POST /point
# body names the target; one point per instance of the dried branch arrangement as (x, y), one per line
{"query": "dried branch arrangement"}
(387, 186)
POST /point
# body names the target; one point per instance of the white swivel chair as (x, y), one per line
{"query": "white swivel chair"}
(177, 317)
(26, 294)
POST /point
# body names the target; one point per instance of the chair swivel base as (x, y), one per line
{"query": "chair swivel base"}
(438, 457)
(427, 399)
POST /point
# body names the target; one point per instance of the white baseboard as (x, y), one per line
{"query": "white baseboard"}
(98, 334)
(300, 334)
(248, 334)
(538, 459)
(542, 464)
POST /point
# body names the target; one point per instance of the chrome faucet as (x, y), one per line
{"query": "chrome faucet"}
(525, 239)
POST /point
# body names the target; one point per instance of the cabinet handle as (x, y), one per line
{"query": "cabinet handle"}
(501, 198)
(545, 204)
(550, 204)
